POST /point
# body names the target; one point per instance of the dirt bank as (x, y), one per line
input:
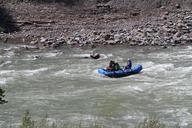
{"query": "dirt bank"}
(107, 22)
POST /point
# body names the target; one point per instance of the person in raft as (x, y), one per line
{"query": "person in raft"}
(129, 64)
(95, 55)
(113, 66)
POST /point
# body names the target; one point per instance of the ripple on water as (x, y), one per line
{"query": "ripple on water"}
(4, 81)
(126, 89)
(7, 72)
(159, 69)
(61, 73)
(31, 72)
(183, 71)
(185, 117)
(15, 73)
(162, 85)
(5, 63)
(51, 54)
(10, 54)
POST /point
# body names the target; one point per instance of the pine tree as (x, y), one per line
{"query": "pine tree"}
(2, 101)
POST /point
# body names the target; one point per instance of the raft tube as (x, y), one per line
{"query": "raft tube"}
(121, 73)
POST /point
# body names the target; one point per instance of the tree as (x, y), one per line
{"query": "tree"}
(7, 24)
(2, 101)
(27, 121)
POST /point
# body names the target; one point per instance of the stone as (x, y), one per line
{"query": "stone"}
(166, 13)
(42, 39)
(107, 37)
(34, 42)
(112, 31)
(111, 42)
(164, 46)
(180, 25)
(178, 34)
(178, 6)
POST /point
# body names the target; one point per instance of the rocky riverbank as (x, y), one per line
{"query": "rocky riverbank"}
(53, 26)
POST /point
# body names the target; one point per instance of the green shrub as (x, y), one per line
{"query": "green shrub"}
(27, 122)
(151, 122)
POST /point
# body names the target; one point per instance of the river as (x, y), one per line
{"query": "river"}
(67, 87)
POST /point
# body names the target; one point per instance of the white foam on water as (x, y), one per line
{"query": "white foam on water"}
(183, 70)
(7, 72)
(81, 118)
(62, 73)
(42, 55)
(148, 64)
(31, 96)
(5, 63)
(170, 83)
(134, 116)
(181, 57)
(16, 73)
(11, 48)
(4, 81)
(183, 114)
(81, 55)
(32, 72)
(109, 55)
(31, 57)
(189, 48)
(159, 68)
(126, 89)
(10, 54)
(51, 54)
(179, 72)
(143, 77)
(28, 59)
(181, 90)
(79, 92)
(103, 56)
(119, 59)
(160, 55)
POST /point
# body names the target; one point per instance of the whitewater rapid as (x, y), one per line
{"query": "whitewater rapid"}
(65, 85)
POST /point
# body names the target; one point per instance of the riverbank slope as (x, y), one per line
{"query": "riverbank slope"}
(100, 22)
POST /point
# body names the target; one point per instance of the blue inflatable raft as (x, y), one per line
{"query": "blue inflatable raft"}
(121, 73)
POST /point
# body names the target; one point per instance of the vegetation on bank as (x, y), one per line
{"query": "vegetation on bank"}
(28, 122)
(7, 24)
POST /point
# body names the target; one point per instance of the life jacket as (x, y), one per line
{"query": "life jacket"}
(117, 67)
(129, 64)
